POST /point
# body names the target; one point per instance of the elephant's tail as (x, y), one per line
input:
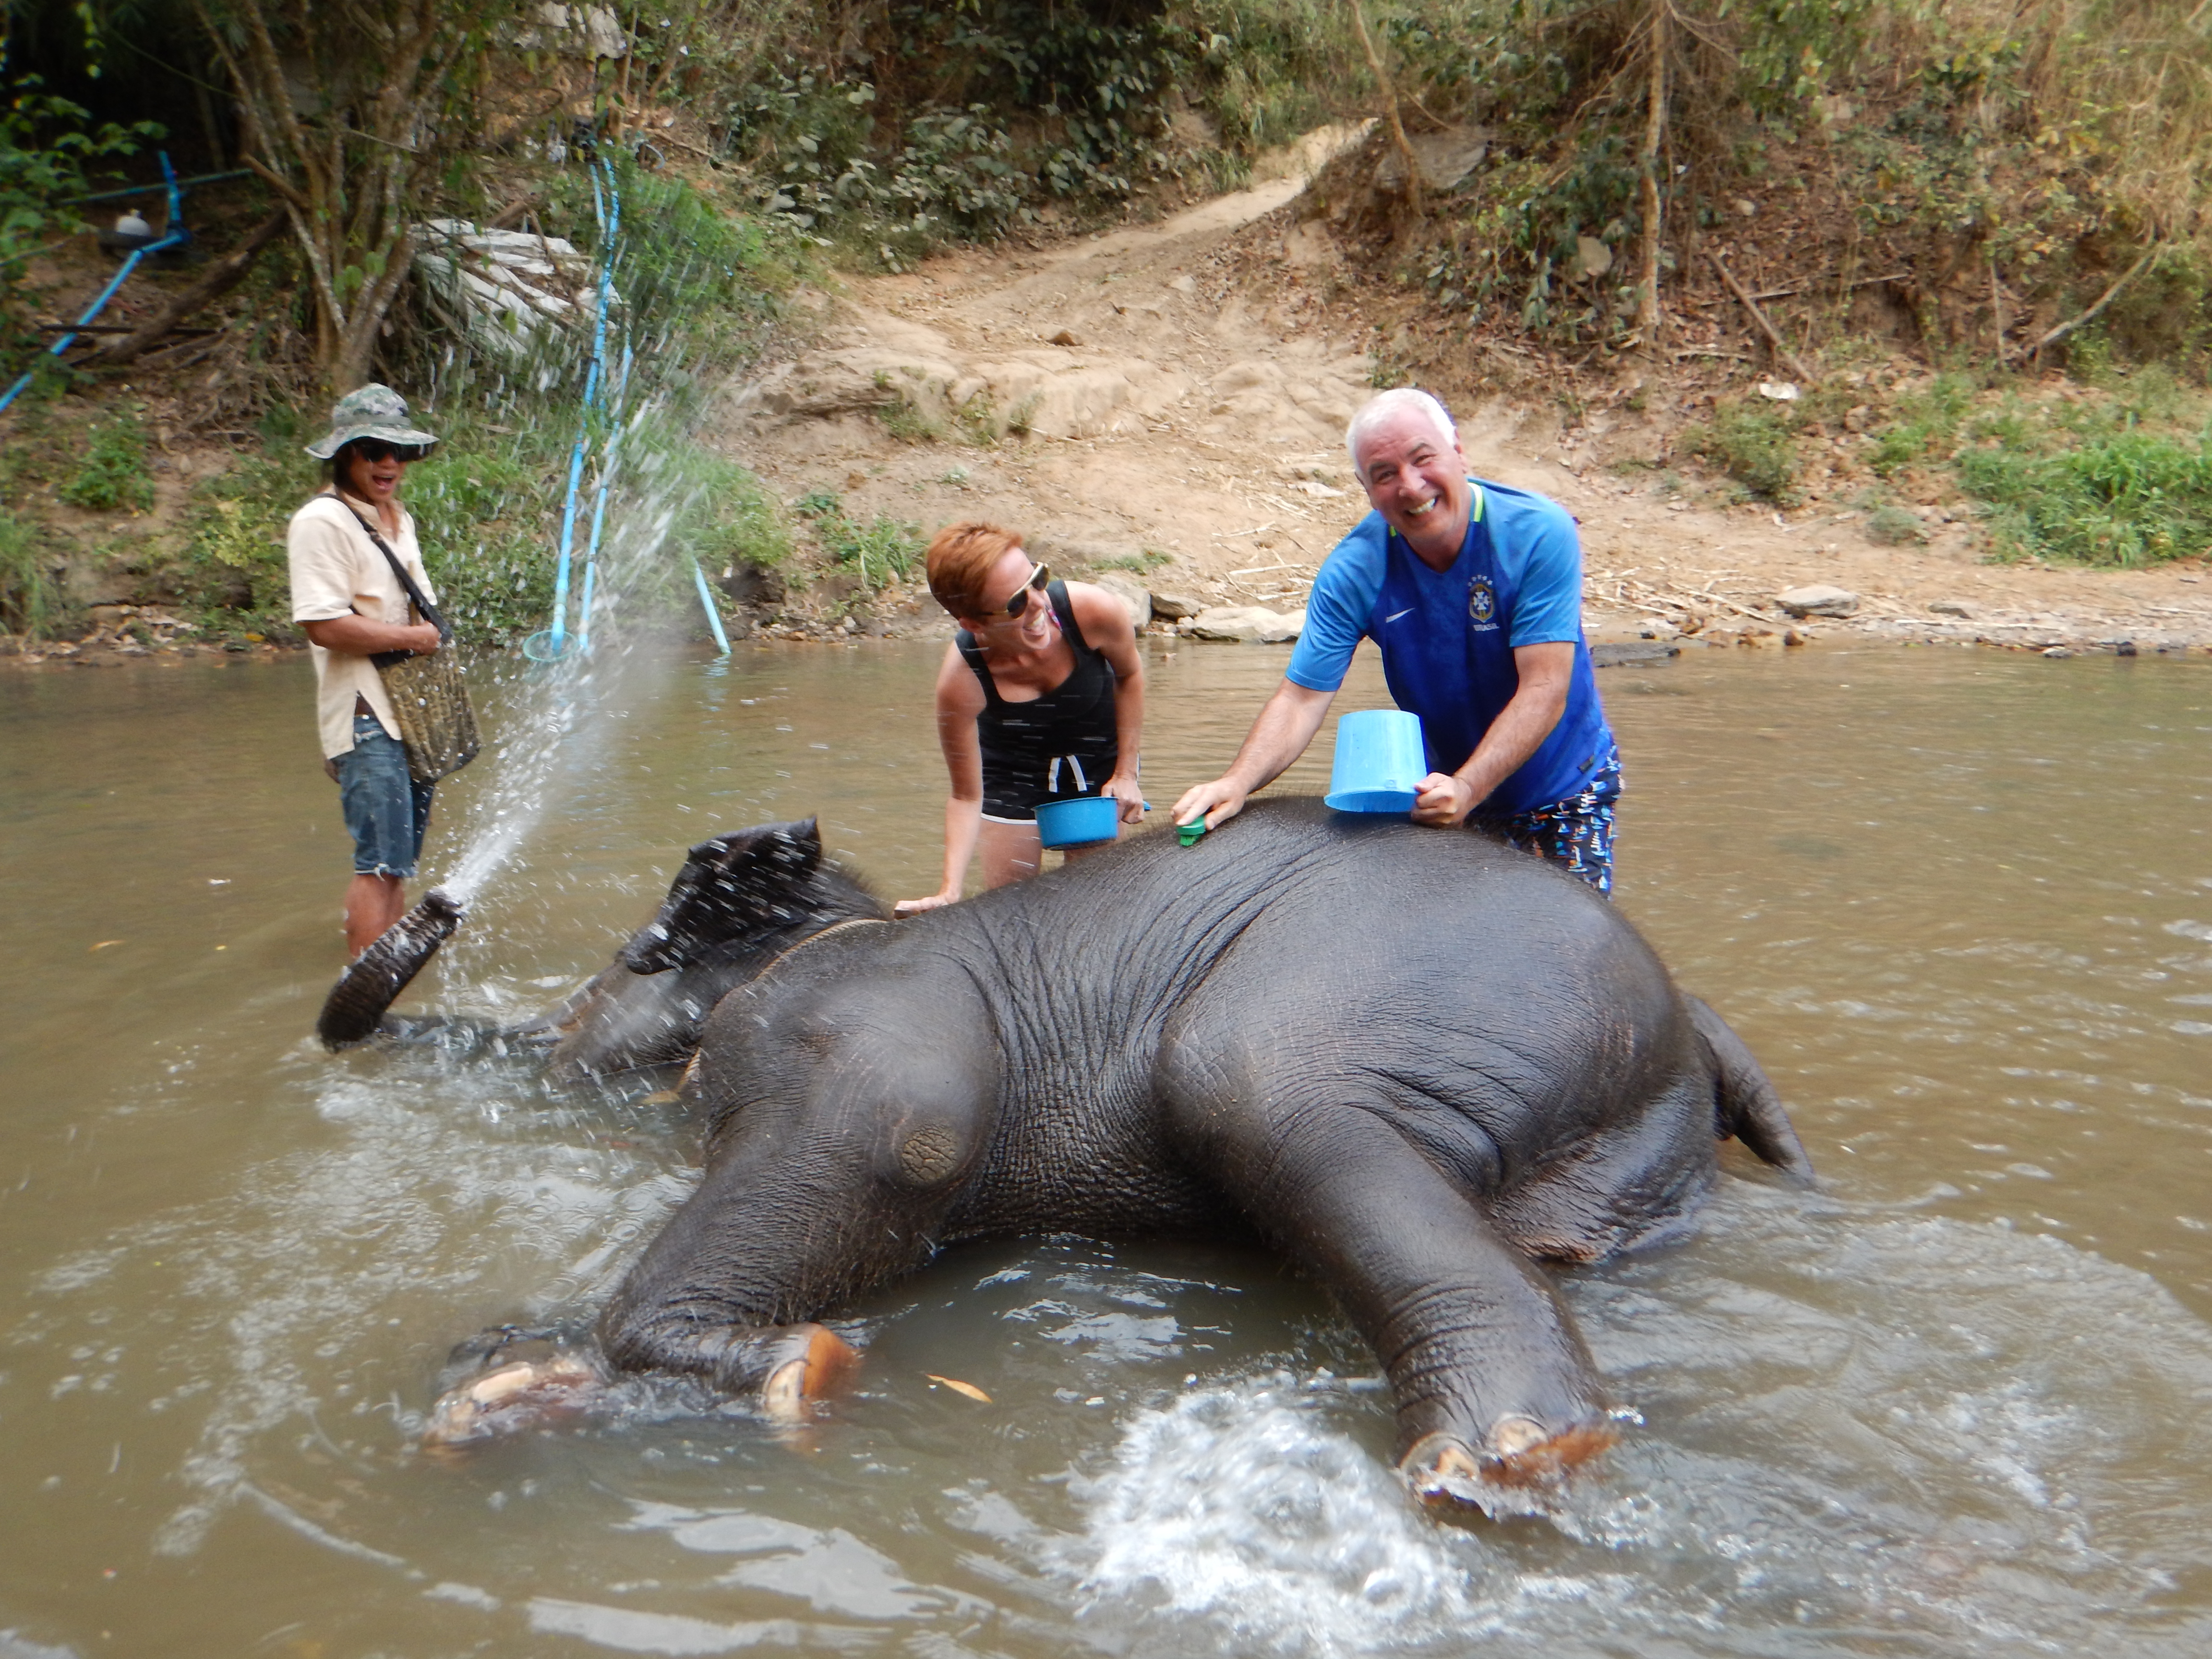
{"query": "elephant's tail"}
(380, 973)
(1745, 1103)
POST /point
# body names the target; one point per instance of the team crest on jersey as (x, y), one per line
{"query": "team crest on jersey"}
(1482, 602)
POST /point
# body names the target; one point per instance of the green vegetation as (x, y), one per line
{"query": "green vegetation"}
(1752, 442)
(2014, 162)
(1924, 428)
(726, 520)
(1142, 562)
(113, 475)
(883, 551)
(29, 601)
(47, 146)
(2122, 497)
(1891, 525)
(908, 421)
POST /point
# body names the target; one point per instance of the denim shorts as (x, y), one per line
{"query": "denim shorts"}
(387, 811)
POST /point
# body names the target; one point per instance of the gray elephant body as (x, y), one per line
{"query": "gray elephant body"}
(1416, 1062)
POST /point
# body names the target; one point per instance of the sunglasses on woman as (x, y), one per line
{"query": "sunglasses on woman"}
(375, 450)
(1039, 576)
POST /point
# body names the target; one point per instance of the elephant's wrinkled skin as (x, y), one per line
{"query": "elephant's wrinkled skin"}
(1415, 1061)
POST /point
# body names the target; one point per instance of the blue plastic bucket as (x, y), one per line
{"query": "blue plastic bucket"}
(1077, 820)
(1380, 762)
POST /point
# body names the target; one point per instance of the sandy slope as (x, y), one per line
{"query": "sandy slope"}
(1184, 386)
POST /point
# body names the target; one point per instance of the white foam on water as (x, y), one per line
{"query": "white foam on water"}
(1244, 1510)
(1916, 1435)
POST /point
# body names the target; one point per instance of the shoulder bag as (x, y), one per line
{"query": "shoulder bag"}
(429, 698)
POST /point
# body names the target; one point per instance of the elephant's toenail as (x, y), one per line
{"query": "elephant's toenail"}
(1440, 1466)
(1511, 1435)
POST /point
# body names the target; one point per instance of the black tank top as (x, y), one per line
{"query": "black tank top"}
(1063, 743)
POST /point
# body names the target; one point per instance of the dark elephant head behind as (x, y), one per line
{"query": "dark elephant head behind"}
(734, 886)
(740, 901)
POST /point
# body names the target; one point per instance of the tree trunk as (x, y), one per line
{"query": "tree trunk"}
(350, 170)
(1648, 318)
(1389, 110)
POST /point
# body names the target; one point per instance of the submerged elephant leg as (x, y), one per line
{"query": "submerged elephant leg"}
(523, 1380)
(818, 1194)
(792, 1368)
(1493, 1386)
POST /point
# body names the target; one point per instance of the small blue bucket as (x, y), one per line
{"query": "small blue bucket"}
(1078, 821)
(1380, 762)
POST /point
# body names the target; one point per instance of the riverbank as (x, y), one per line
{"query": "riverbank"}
(1167, 403)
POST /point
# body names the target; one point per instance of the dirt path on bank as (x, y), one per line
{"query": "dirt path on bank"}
(1180, 389)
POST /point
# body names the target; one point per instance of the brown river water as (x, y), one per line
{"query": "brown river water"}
(1957, 1402)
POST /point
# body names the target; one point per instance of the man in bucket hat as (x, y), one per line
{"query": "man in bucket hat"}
(352, 606)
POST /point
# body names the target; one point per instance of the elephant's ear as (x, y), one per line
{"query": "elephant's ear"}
(747, 882)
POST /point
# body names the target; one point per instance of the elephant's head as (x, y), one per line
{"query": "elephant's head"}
(746, 882)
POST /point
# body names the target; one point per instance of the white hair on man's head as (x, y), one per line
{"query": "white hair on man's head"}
(1384, 404)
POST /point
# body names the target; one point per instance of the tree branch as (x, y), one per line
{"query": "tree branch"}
(2097, 310)
(1782, 350)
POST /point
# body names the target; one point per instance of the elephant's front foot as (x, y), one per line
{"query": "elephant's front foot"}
(807, 1365)
(531, 1386)
(1520, 1462)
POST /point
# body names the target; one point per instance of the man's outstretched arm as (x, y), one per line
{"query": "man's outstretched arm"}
(1278, 737)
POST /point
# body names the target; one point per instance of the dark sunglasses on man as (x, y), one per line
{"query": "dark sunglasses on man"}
(1039, 577)
(375, 450)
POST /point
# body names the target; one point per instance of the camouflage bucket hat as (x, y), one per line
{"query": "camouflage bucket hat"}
(372, 411)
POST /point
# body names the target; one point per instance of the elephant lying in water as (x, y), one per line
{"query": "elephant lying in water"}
(1416, 1062)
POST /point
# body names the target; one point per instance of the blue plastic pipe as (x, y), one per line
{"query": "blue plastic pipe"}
(613, 228)
(713, 616)
(175, 237)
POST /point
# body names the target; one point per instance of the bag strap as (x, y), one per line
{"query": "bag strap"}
(386, 658)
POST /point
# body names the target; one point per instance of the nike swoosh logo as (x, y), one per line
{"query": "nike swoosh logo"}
(1394, 615)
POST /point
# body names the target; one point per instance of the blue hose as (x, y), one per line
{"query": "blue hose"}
(176, 237)
(610, 226)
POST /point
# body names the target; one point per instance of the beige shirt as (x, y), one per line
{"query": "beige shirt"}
(337, 569)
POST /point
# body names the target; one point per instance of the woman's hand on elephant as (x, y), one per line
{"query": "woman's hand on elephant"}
(915, 906)
(1130, 794)
(1444, 800)
(1217, 802)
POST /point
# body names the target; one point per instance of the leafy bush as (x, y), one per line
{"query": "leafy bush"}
(30, 603)
(231, 569)
(1752, 445)
(727, 519)
(2127, 498)
(46, 145)
(1894, 527)
(1926, 428)
(886, 550)
(112, 474)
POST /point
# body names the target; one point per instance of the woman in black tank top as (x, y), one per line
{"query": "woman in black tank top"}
(1040, 698)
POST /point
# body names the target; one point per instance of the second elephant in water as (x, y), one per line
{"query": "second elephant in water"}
(1418, 1062)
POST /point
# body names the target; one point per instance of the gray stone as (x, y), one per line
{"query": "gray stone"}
(1128, 589)
(1445, 159)
(1949, 608)
(1246, 624)
(1818, 600)
(1173, 604)
(1623, 654)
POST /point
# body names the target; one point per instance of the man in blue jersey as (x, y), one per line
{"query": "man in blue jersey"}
(1473, 593)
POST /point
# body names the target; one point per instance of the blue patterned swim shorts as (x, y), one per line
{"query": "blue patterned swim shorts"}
(1576, 833)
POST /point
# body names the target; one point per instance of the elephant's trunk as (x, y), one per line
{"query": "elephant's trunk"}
(380, 973)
